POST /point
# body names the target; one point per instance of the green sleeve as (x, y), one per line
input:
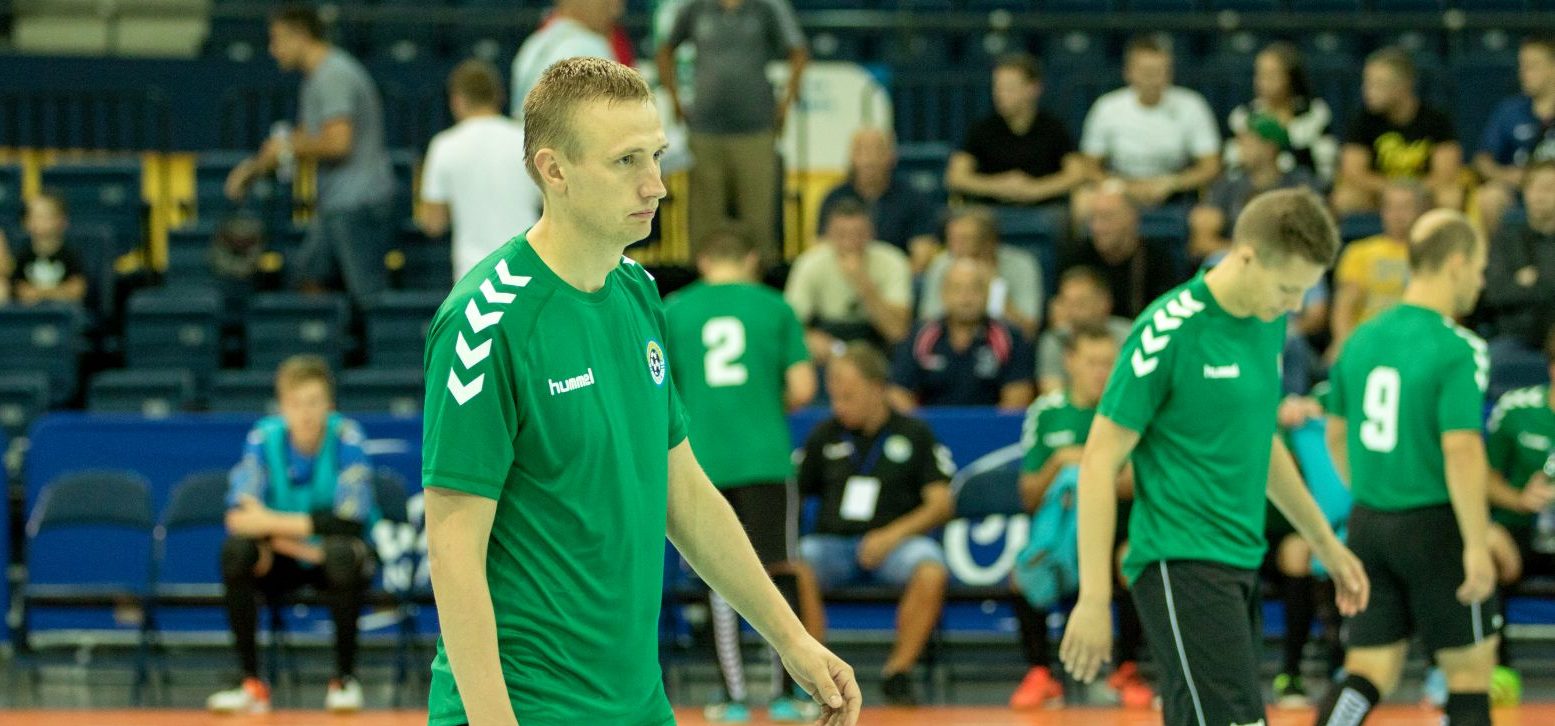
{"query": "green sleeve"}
(471, 417)
(1501, 441)
(1037, 453)
(1142, 379)
(1462, 402)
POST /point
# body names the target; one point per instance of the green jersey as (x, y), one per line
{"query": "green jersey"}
(1200, 386)
(1052, 423)
(558, 404)
(1522, 435)
(730, 347)
(1403, 379)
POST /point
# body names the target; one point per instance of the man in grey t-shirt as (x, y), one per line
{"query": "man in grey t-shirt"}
(340, 126)
(734, 119)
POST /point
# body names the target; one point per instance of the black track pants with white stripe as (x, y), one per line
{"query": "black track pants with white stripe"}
(1201, 621)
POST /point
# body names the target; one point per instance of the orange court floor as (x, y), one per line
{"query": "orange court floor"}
(1526, 715)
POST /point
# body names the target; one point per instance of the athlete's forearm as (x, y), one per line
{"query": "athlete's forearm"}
(458, 530)
(935, 510)
(703, 527)
(1502, 494)
(1337, 436)
(1289, 494)
(1463, 452)
(1106, 450)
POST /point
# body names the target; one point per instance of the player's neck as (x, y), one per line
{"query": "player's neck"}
(725, 274)
(1082, 401)
(961, 332)
(1226, 284)
(872, 425)
(575, 257)
(1405, 111)
(1431, 294)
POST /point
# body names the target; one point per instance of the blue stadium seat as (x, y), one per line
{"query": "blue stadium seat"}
(236, 39)
(990, 485)
(1409, 5)
(397, 391)
(43, 339)
(401, 39)
(982, 50)
(153, 393)
(1519, 372)
(88, 542)
(1037, 231)
(268, 197)
(186, 544)
(1325, 5)
(11, 201)
(1356, 226)
(23, 397)
(1247, 6)
(922, 166)
(280, 325)
(1079, 6)
(242, 391)
(397, 323)
(1481, 83)
(1163, 6)
(107, 193)
(174, 328)
(838, 45)
(424, 264)
(1493, 5)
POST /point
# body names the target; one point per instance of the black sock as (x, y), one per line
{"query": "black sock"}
(1348, 703)
(1467, 709)
(1300, 606)
(1033, 632)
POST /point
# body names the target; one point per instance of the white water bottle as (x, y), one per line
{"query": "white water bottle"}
(286, 161)
(1544, 528)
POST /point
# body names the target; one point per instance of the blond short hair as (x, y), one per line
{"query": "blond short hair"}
(300, 369)
(567, 84)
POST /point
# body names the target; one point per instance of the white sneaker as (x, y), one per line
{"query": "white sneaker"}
(252, 696)
(344, 696)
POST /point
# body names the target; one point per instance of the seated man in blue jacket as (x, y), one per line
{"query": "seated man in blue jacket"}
(299, 506)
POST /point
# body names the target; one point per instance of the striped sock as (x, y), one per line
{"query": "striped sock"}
(726, 639)
(1349, 703)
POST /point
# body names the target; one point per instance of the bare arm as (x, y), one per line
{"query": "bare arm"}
(1446, 163)
(1463, 453)
(935, 510)
(1033, 485)
(665, 60)
(1487, 167)
(333, 141)
(1289, 494)
(1203, 171)
(1093, 168)
(798, 58)
(432, 218)
(1016, 395)
(458, 532)
(893, 321)
(1502, 494)
(1355, 170)
(1336, 435)
(799, 385)
(73, 289)
(1107, 449)
(900, 399)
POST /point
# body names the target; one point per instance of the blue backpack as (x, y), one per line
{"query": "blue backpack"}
(1310, 450)
(1048, 569)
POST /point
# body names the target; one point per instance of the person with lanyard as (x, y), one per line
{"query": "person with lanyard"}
(300, 504)
(884, 483)
(1192, 405)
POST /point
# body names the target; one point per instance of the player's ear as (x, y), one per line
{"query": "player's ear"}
(548, 164)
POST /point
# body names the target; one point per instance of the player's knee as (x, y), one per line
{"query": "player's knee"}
(1382, 666)
(1469, 668)
(238, 557)
(346, 562)
(930, 574)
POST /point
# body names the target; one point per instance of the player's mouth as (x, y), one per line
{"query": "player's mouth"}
(644, 215)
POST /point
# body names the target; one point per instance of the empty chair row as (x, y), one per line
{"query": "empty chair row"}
(161, 392)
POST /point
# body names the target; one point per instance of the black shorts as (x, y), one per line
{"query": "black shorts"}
(1535, 564)
(770, 515)
(1414, 559)
(1201, 621)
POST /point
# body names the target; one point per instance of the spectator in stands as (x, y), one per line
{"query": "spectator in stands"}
(1021, 154)
(299, 508)
(575, 28)
(1396, 136)
(475, 173)
(965, 357)
(1016, 297)
(851, 286)
(1520, 281)
(883, 483)
(340, 126)
(1261, 144)
(48, 270)
(1520, 444)
(902, 216)
(1137, 273)
(1160, 139)
(1521, 132)
(1283, 90)
(735, 123)
(1372, 272)
(1053, 437)
(1084, 300)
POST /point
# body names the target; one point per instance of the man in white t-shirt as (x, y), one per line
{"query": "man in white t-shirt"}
(474, 172)
(575, 28)
(1160, 139)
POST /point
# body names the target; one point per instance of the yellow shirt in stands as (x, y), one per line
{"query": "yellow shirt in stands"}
(1379, 267)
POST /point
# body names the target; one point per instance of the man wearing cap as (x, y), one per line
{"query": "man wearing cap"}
(1257, 170)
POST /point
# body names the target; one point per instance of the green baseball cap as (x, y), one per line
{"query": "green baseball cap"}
(1269, 129)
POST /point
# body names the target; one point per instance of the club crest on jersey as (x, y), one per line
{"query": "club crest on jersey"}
(898, 448)
(656, 362)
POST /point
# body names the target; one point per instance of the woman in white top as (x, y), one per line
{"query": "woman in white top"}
(1283, 90)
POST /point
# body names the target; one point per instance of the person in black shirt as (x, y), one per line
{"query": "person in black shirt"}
(46, 270)
(883, 481)
(1136, 272)
(1520, 280)
(1020, 154)
(1394, 136)
(903, 217)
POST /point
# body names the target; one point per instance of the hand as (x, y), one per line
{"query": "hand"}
(1087, 640)
(1536, 494)
(297, 550)
(1150, 192)
(238, 180)
(826, 678)
(1527, 276)
(1068, 456)
(852, 266)
(249, 519)
(1479, 575)
(27, 294)
(1295, 411)
(270, 151)
(1352, 591)
(875, 547)
(820, 346)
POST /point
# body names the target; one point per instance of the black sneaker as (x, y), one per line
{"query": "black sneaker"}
(898, 690)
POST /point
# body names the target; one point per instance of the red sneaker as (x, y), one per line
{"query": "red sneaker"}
(1037, 689)
(1133, 691)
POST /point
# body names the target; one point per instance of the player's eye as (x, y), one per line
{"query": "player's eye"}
(627, 160)
(657, 155)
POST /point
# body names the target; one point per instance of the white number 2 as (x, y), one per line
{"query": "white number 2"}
(1380, 430)
(725, 341)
